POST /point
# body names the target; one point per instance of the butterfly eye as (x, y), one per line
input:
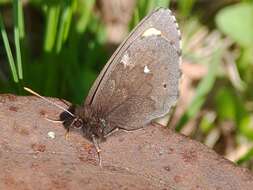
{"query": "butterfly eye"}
(78, 123)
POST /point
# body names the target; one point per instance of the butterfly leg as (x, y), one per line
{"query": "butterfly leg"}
(111, 132)
(117, 129)
(125, 130)
(94, 140)
(67, 134)
(129, 131)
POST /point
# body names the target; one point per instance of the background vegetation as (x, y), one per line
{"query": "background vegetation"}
(57, 47)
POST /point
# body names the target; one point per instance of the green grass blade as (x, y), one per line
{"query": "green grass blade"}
(16, 10)
(186, 6)
(60, 32)
(51, 27)
(8, 51)
(67, 23)
(86, 12)
(21, 20)
(64, 25)
(143, 8)
(159, 3)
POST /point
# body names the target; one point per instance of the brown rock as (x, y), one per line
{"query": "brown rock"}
(152, 158)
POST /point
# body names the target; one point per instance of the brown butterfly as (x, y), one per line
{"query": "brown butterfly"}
(138, 84)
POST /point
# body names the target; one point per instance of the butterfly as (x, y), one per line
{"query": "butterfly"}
(138, 84)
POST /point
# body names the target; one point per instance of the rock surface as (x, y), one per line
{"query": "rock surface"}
(34, 154)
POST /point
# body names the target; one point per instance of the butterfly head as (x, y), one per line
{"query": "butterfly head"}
(91, 123)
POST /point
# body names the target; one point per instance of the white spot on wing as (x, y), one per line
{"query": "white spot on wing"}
(150, 32)
(146, 69)
(125, 60)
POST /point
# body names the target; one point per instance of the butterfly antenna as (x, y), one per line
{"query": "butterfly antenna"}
(47, 100)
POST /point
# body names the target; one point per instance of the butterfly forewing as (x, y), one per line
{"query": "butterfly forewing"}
(161, 19)
(140, 82)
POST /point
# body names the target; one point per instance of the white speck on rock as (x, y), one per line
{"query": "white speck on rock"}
(51, 134)
(146, 69)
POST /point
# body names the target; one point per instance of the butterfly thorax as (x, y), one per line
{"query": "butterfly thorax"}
(92, 122)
